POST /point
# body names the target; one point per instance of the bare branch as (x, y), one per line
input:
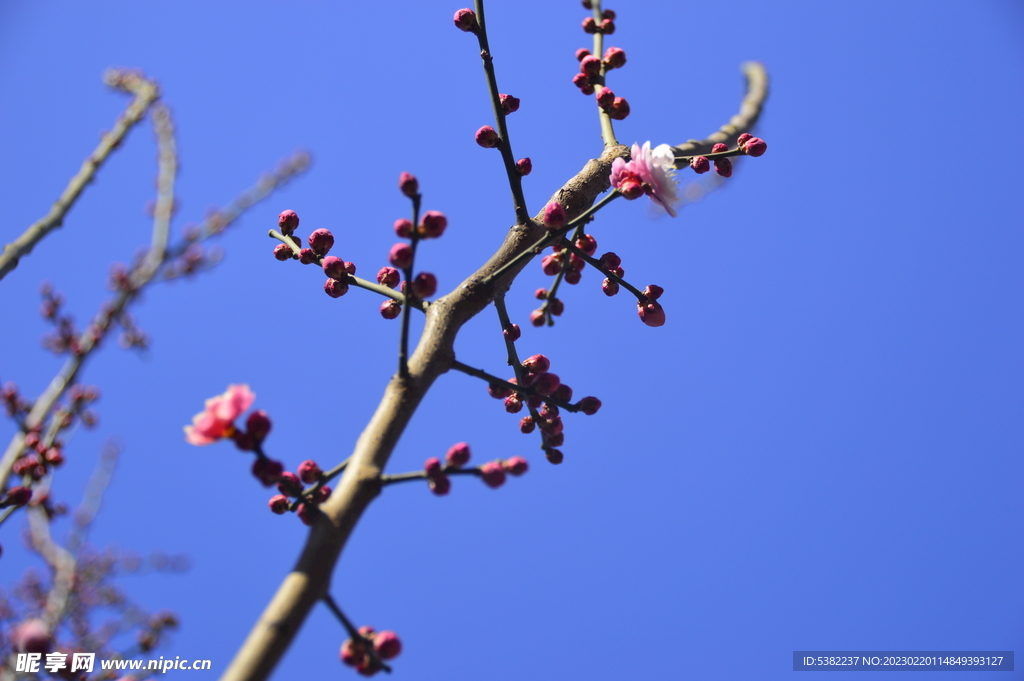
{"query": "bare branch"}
(146, 92)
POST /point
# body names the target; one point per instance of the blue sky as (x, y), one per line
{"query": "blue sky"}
(821, 449)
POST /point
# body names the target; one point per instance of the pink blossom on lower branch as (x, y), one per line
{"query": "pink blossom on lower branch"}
(216, 421)
(649, 171)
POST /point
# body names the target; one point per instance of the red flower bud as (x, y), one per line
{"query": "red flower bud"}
(513, 404)
(289, 484)
(589, 25)
(424, 285)
(590, 65)
(755, 146)
(605, 98)
(258, 425)
(589, 405)
(309, 471)
(282, 252)
(352, 653)
(458, 455)
(287, 221)
(408, 184)
(524, 166)
(563, 393)
(307, 513)
(614, 58)
(278, 504)
(334, 268)
(554, 215)
(440, 485)
(509, 104)
(581, 53)
(551, 264)
(492, 474)
(390, 309)
(401, 256)
(581, 81)
(723, 166)
(537, 318)
(700, 164)
(403, 228)
(619, 109)
(512, 332)
(607, 27)
(465, 20)
(537, 364)
(498, 392)
(321, 241)
(432, 467)
(741, 141)
(547, 384)
(651, 314)
(486, 137)
(307, 256)
(335, 288)
(267, 471)
(554, 456)
(388, 276)
(17, 496)
(719, 148)
(432, 224)
(653, 291)
(526, 424)
(387, 645)
(587, 243)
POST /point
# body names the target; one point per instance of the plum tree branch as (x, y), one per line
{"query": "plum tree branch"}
(310, 578)
(146, 93)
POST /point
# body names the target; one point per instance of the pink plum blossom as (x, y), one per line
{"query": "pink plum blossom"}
(651, 169)
(216, 421)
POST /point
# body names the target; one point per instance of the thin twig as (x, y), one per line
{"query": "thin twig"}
(146, 92)
(515, 181)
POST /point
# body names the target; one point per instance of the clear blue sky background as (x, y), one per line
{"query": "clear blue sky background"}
(820, 450)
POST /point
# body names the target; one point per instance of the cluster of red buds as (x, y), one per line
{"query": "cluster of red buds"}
(746, 144)
(605, 26)
(542, 391)
(321, 241)
(366, 652)
(14, 404)
(257, 427)
(591, 75)
(432, 224)
(40, 454)
(292, 486)
(65, 337)
(492, 472)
